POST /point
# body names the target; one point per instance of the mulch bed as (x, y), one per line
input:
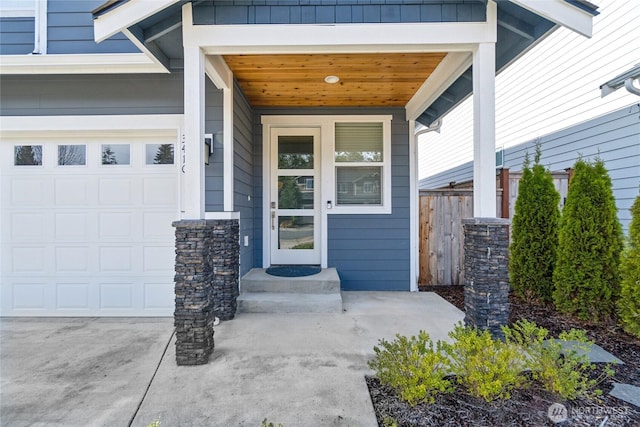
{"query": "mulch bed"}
(525, 407)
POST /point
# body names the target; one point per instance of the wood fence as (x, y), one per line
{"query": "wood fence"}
(441, 240)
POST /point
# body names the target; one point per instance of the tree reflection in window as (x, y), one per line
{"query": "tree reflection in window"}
(28, 155)
(72, 155)
(159, 154)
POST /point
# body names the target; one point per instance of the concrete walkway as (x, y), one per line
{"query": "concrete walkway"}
(295, 369)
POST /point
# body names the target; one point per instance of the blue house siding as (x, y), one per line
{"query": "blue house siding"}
(213, 180)
(615, 137)
(338, 11)
(17, 36)
(243, 176)
(70, 30)
(370, 252)
(56, 95)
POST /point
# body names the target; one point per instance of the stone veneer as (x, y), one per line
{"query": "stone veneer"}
(486, 273)
(206, 284)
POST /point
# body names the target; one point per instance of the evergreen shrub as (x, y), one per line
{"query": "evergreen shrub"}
(586, 278)
(629, 302)
(534, 233)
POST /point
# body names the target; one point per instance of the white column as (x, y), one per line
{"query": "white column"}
(191, 150)
(484, 131)
(229, 149)
(414, 209)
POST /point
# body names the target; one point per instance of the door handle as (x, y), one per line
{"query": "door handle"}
(273, 218)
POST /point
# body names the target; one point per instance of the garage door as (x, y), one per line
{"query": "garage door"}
(86, 226)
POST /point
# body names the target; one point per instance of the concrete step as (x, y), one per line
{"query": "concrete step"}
(257, 280)
(281, 302)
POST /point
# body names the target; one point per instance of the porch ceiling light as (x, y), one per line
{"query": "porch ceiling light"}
(332, 79)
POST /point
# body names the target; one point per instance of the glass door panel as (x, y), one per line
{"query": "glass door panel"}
(294, 203)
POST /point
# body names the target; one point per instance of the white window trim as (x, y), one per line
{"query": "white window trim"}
(385, 207)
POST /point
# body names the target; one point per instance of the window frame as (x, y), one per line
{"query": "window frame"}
(385, 182)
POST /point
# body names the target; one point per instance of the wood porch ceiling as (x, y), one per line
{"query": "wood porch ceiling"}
(366, 80)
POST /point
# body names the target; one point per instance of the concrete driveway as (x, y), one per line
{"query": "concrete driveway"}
(294, 369)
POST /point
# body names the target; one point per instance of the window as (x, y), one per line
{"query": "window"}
(27, 155)
(308, 184)
(115, 154)
(159, 154)
(72, 155)
(362, 166)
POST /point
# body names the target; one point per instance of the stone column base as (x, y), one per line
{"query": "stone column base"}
(206, 284)
(486, 273)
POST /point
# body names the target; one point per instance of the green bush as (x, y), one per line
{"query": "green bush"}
(412, 367)
(586, 277)
(629, 302)
(266, 423)
(534, 233)
(487, 368)
(561, 369)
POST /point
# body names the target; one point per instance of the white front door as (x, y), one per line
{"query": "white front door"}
(294, 205)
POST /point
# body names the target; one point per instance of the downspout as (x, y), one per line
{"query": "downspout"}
(628, 84)
(433, 127)
(415, 205)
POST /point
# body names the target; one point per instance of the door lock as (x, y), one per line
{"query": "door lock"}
(273, 219)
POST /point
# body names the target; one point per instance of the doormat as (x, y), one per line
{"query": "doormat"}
(293, 270)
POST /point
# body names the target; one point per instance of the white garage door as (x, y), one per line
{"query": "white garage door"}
(86, 226)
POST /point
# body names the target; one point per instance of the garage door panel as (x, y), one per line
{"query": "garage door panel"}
(115, 191)
(159, 296)
(71, 227)
(27, 226)
(116, 296)
(72, 259)
(28, 259)
(158, 258)
(157, 225)
(160, 191)
(72, 296)
(71, 192)
(116, 225)
(27, 192)
(117, 259)
(29, 296)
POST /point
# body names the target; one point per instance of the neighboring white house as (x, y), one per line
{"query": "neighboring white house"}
(551, 89)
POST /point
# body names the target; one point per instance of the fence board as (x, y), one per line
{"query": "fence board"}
(441, 243)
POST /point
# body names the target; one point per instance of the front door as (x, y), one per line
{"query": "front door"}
(294, 204)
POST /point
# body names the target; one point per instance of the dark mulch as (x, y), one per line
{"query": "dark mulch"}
(526, 407)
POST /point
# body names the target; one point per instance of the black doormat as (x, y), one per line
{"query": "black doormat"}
(293, 270)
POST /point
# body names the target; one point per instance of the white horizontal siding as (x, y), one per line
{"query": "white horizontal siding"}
(552, 87)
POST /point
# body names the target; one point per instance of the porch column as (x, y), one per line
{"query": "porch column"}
(484, 131)
(486, 238)
(191, 150)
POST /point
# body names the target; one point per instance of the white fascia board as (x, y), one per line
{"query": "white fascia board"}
(126, 15)
(354, 38)
(562, 13)
(25, 125)
(144, 49)
(218, 72)
(449, 69)
(99, 63)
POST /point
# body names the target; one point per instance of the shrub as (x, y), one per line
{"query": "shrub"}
(586, 277)
(534, 233)
(487, 368)
(412, 367)
(629, 302)
(561, 369)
